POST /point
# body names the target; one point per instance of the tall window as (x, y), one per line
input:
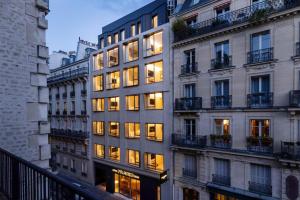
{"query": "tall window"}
(154, 72)
(109, 40)
(223, 12)
(114, 153)
(114, 129)
(154, 101)
(153, 44)
(98, 62)
(132, 130)
(260, 127)
(131, 76)
(133, 157)
(116, 37)
(101, 43)
(114, 103)
(189, 90)
(261, 175)
(222, 169)
(113, 80)
(154, 21)
(222, 88)
(98, 105)
(154, 132)
(154, 161)
(98, 83)
(222, 127)
(260, 84)
(131, 51)
(122, 35)
(190, 166)
(132, 30)
(99, 150)
(98, 127)
(132, 103)
(190, 58)
(113, 57)
(260, 41)
(139, 25)
(190, 129)
(222, 54)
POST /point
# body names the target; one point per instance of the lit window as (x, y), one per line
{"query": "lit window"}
(155, 21)
(116, 37)
(114, 129)
(154, 161)
(114, 153)
(131, 77)
(98, 128)
(153, 44)
(132, 30)
(108, 40)
(113, 80)
(101, 43)
(154, 72)
(98, 62)
(113, 57)
(154, 101)
(133, 157)
(98, 83)
(222, 127)
(123, 35)
(114, 104)
(98, 105)
(131, 51)
(99, 150)
(139, 28)
(154, 132)
(132, 130)
(132, 103)
(260, 128)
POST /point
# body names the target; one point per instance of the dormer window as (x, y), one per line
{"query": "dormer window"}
(191, 21)
(222, 12)
(194, 2)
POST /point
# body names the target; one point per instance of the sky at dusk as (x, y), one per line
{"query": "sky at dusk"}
(70, 19)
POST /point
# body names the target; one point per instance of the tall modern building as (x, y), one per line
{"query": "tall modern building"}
(69, 112)
(132, 105)
(236, 95)
(23, 80)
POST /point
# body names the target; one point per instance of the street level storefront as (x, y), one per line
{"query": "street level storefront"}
(127, 183)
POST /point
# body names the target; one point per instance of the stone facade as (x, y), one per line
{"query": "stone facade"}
(23, 86)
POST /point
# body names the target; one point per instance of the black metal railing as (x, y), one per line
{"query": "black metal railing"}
(221, 141)
(295, 98)
(69, 134)
(83, 112)
(65, 112)
(195, 141)
(265, 189)
(260, 144)
(83, 93)
(260, 100)
(189, 172)
(72, 112)
(194, 103)
(290, 150)
(22, 180)
(189, 68)
(57, 96)
(49, 112)
(221, 101)
(298, 49)
(81, 72)
(221, 180)
(57, 112)
(72, 94)
(64, 95)
(50, 97)
(253, 13)
(262, 55)
(219, 63)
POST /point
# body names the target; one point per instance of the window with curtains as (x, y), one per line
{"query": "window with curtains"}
(132, 30)
(222, 52)
(221, 88)
(114, 129)
(132, 130)
(131, 51)
(154, 101)
(109, 42)
(154, 72)
(98, 62)
(113, 57)
(114, 104)
(99, 150)
(154, 21)
(260, 84)
(98, 127)
(131, 76)
(132, 102)
(98, 83)
(260, 41)
(154, 162)
(222, 167)
(133, 157)
(190, 164)
(114, 153)
(189, 90)
(113, 80)
(260, 128)
(153, 44)
(261, 174)
(222, 127)
(190, 57)
(190, 129)
(98, 105)
(116, 38)
(154, 132)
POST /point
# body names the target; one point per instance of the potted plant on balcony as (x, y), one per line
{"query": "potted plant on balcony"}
(226, 138)
(218, 21)
(180, 29)
(259, 14)
(252, 141)
(266, 141)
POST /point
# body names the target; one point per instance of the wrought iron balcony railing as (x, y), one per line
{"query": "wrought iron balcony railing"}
(81, 72)
(192, 173)
(65, 112)
(188, 104)
(83, 112)
(221, 141)
(57, 112)
(221, 101)
(260, 100)
(189, 68)
(221, 180)
(260, 144)
(298, 49)
(81, 135)
(290, 150)
(265, 189)
(83, 93)
(57, 96)
(23, 180)
(189, 141)
(295, 98)
(219, 63)
(72, 112)
(65, 95)
(262, 55)
(72, 94)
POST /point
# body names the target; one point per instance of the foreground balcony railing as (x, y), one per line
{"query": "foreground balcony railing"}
(72, 94)
(298, 49)
(260, 100)
(221, 180)
(255, 12)
(290, 150)
(186, 104)
(219, 63)
(221, 101)
(295, 98)
(69, 134)
(262, 55)
(189, 141)
(83, 93)
(260, 144)
(189, 68)
(192, 173)
(21, 180)
(81, 72)
(221, 141)
(265, 189)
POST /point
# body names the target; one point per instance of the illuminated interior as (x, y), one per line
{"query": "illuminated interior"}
(127, 186)
(260, 128)
(116, 37)
(131, 76)
(154, 132)
(132, 130)
(99, 150)
(222, 197)
(154, 21)
(98, 83)
(113, 80)
(153, 44)
(131, 51)
(132, 30)
(113, 57)
(114, 103)
(98, 105)
(98, 128)
(98, 62)
(114, 129)
(154, 72)
(133, 157)
(109, 40)
(222, 126)
(154, 162)
(154, 101)
(114, 153)
(132, 103)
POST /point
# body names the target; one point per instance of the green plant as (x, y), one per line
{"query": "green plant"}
(259, 15)
(180, 29)
(218, 21)
(266, 141)
(252, 140)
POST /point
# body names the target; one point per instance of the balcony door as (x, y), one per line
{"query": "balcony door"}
(260, 89)
(260, 41)
(190, 129)
(190, 166)
(260, 128)
(189, 90)
(222, 52)
(189, 60)
(222, 88)
(222, 172)
(260, 178)
(222, 13)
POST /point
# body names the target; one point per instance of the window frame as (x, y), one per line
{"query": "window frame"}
(95, 127)
(116, 108)
(137, 154)
(136, 136)
(153, 107)
(155, 138)
(136, 107)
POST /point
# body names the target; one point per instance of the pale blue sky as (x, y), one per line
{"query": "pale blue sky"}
(70, 19)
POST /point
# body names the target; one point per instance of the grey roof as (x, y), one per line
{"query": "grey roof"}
(187, 5)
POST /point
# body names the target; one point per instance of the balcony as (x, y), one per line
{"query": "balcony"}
(219, 64)
(290, 150)
(69, 134)
(57, 96)
(72, 94)
(72, 112)
(188, 104)
(49, 112)
(251, 14)
(191, 173)
(50, 97)
(83, 112)
(65, 112)
(297, 49)
(57, 112)
(221, 102)
(67, 76)
(43, 5)
(295, 98)
(64, 95)
(259, 188)
(260, 100)
(83, 93)
(21, 179)
(189, 141)
(221, 180)
(260, 56)
(221, 141)
(189, 69)
(260, 144)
